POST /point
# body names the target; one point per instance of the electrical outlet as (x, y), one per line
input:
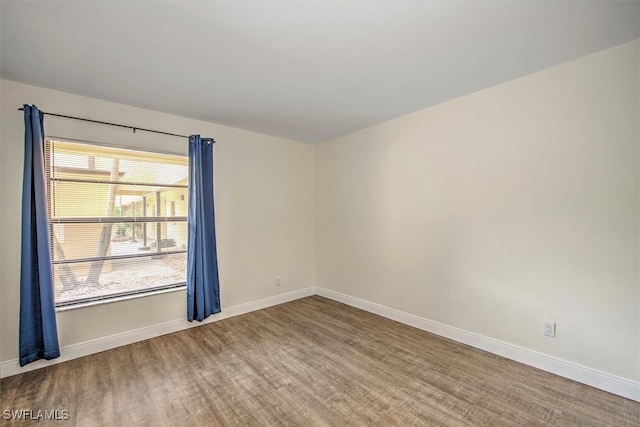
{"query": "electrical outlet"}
(277, 281)
(548, 328)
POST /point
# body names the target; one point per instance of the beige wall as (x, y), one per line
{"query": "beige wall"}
(487, 213)
(499, 209)
(264, 210)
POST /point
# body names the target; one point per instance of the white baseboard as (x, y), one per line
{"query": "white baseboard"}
(621, 386)
(602, 380)
(74, 351)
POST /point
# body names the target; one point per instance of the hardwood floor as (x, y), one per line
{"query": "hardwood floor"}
(310, 362)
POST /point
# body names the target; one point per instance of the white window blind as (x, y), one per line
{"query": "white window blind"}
(118, 220)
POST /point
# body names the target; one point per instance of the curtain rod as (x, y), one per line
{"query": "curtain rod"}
(119, 125)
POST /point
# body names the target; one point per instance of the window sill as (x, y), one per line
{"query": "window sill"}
(117, 299)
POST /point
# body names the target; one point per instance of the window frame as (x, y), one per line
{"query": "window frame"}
(158, 219)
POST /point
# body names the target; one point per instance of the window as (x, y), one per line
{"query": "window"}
(118, 220)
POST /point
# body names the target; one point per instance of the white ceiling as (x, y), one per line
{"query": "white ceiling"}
(305, 70)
